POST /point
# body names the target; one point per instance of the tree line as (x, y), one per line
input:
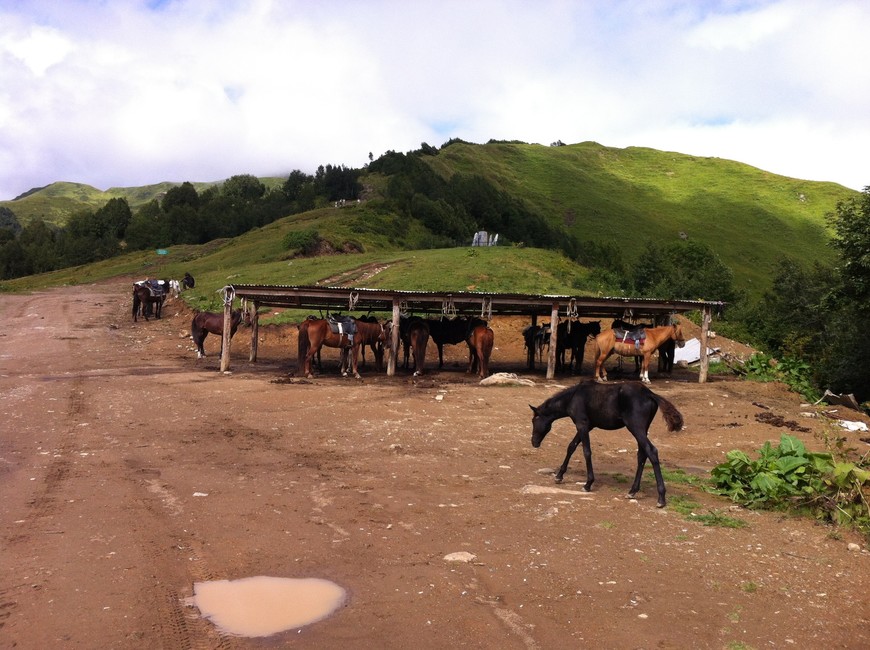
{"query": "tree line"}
(181, 216)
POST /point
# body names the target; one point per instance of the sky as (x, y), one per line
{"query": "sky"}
(128, 93)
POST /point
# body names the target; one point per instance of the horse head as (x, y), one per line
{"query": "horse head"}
(678, 335)
(541, 425)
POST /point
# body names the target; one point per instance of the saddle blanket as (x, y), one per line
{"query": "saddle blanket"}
(636, 336)
(342, 325)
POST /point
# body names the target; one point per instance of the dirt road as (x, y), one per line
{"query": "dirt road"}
(130, 471)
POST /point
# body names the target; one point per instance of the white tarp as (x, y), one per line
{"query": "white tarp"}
(691, 352)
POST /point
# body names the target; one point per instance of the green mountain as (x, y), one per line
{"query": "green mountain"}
(632, 196)
(622, 197)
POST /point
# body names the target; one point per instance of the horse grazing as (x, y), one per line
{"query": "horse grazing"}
(206, 322)
(480, 343)
(607, 406)
(643, 345)
(188, 282)
(572, 335)
(148, 298)
(315, 333)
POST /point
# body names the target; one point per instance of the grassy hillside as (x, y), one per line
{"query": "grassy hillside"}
(635, 195)
(56, 202)
(624, 196)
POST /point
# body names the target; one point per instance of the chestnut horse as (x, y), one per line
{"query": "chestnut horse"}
(480, 343)
(206, 322)
(625, 346)
(315, 333)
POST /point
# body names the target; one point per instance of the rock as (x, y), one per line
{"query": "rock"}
(460, 556)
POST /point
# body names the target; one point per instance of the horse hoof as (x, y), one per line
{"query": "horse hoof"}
(660, 504)
(557, 479)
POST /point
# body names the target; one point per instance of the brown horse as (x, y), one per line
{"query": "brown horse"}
(652, 338)
(480, 343)
(315, 333)
(206, 322)
(147, 300)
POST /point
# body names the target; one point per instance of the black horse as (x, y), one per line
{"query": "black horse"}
(187, 281)
(572, 335)
(444, 331)
(607, 406)
(535, 339)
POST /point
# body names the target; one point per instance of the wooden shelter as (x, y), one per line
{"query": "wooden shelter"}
(457, 303)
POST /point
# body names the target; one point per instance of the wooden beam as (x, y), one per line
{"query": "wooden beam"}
(394, 339)
(254, 315)
(228, 318)
(706, 319)
(554, 341)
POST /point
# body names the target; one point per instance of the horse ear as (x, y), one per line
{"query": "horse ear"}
(534, 410)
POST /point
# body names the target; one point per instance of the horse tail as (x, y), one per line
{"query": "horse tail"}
(302, 345)
(673, 418)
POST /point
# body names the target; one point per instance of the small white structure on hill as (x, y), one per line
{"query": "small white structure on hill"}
(482, 238)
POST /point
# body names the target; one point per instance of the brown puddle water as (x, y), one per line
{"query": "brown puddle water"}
(262, 605)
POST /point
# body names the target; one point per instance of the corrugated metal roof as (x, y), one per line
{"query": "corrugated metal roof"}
(334, 299)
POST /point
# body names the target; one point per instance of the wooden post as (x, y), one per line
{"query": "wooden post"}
(228, 293)
(394, 339)
(554, 341)
(706, 319)
(255, 329)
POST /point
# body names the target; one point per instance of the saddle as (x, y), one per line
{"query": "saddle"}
(637, 337)
(342, 325)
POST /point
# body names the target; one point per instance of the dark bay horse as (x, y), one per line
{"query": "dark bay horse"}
(445, 331)
(480, 342)
(207, 322)
(418, 340)
(315, 333)
(572, 335)
(148, 299)
(607, 406)
(535, 339)
(609, 342)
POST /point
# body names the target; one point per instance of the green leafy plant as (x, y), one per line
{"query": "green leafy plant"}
(794, 373)
(788, 476)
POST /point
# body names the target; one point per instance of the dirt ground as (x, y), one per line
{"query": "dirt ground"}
(130, 470)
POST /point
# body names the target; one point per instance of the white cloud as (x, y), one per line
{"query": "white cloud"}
(119, 94)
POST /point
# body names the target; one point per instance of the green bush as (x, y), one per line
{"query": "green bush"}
(303, 241)
(790, 477)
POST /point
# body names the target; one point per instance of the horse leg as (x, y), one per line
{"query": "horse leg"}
(600, 370)
(581, 437)
(353, 355)
(646, 449)
(644, 368)
(199, 340)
